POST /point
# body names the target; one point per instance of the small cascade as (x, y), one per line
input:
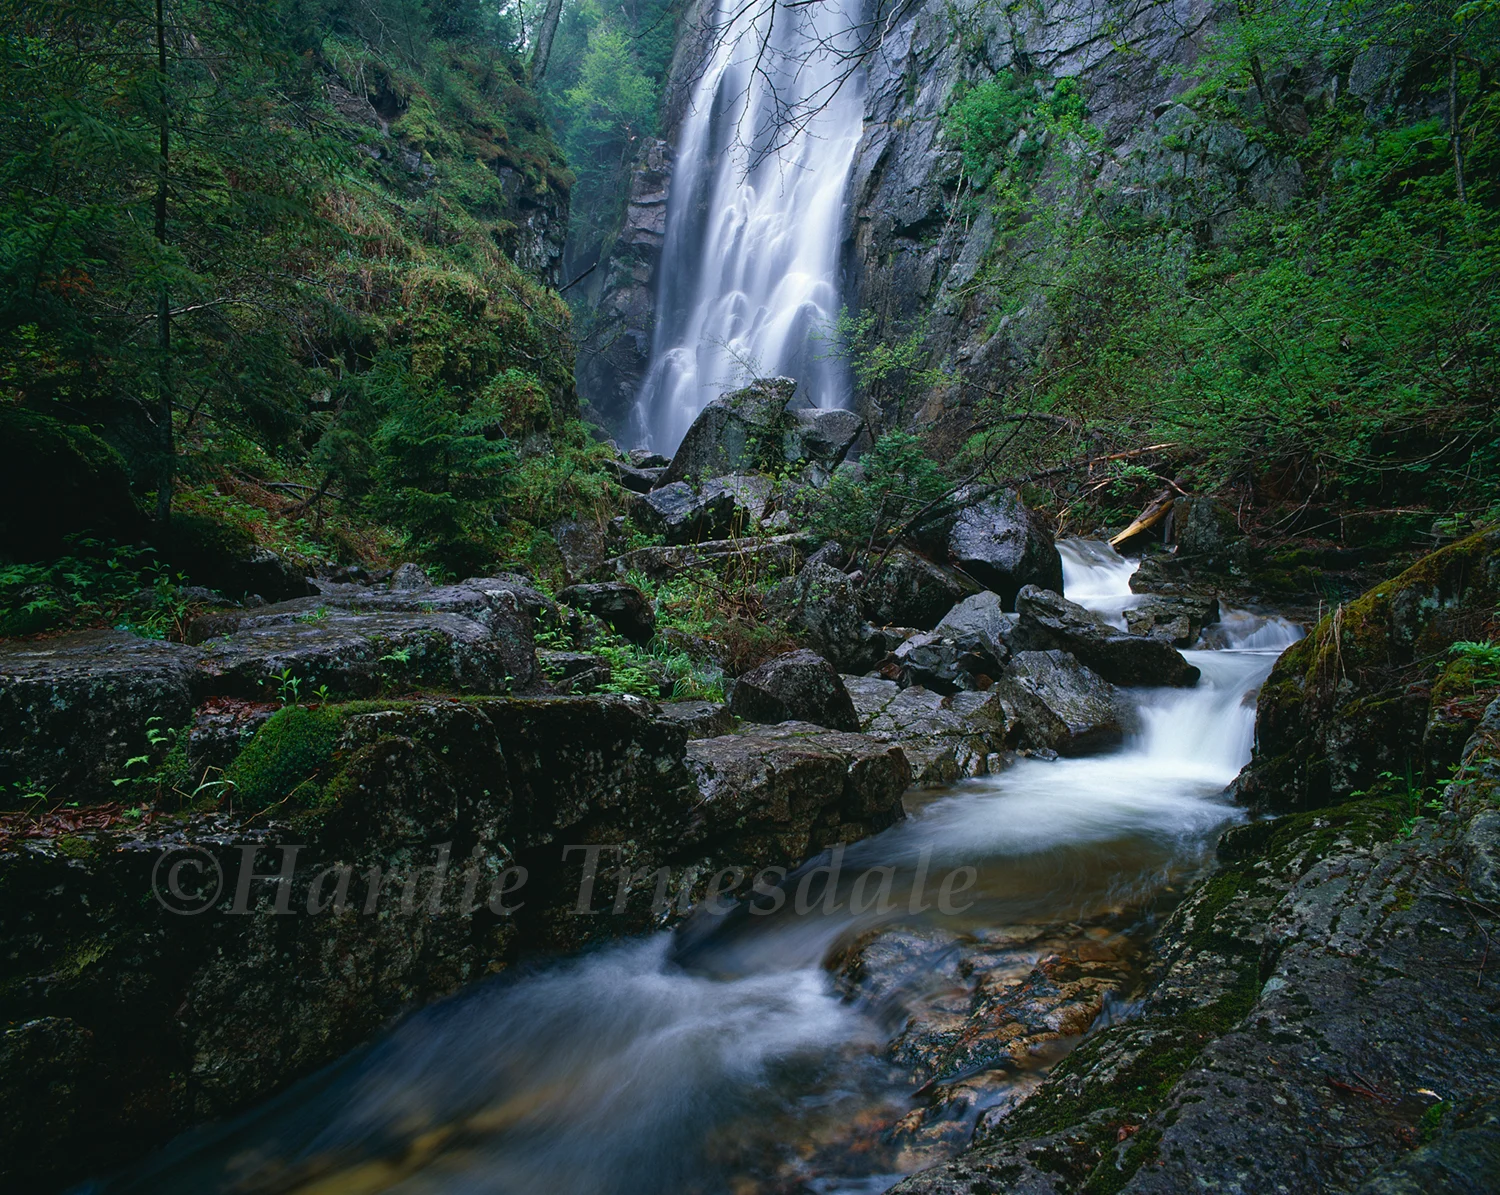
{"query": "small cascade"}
(1098, 578)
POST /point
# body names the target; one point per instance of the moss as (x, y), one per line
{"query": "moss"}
(74, 847)
(288, 758)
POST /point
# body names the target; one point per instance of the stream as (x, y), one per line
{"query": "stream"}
(817, 1051)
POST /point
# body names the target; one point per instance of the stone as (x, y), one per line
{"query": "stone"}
(1048, 620)
(1004, 546)
(74, 709)
(573, 671)
(796, 686)
(821, 604)
(944, 738)
(701, 719)
(740, 431)
(682, 516)
(637, 480)
(824, 437)
(582, 544)
(936, 661)
(793, 789)
(644, 458)
(1175, 620)
(751, 493)
(408, 578)
(980, 625)
(909, 590)
(1057, 704)
(1369, 690)
(624, 607)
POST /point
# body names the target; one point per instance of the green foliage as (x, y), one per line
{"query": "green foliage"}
(98, 582)
(287, 759)
(895, 480)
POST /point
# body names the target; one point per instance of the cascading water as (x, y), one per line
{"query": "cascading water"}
(725, 1056)
(748, 269)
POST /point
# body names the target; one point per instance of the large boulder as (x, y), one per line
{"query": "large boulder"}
(740, 431)
(1057, 704)
(1176, 620)
(1376, 687)
(908, 590)
(75, 709)
(791, 790)
(821, 604)
(1048, 620)
(798, 686)
(624, 607)
(1004, 546)
(932, 660)
(680, 515)
(979, 625)
(824, 437)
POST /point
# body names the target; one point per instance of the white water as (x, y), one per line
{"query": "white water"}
(658, 1066)
(748, 270)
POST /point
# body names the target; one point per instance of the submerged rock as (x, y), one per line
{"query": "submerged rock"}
(797, 686)
(1048, 620)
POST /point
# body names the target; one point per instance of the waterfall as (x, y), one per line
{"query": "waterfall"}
(748, 270)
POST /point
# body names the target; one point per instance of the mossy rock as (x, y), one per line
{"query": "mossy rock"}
(287, 762)
(225, 557)
(1353, 698)
(59, 479)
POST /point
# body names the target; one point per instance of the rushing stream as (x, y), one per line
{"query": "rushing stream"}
(745, 1053)
(748, 284)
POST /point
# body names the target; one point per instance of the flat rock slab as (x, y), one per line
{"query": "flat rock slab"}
(701, 719)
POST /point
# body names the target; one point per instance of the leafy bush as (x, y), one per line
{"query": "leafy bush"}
(894, 481)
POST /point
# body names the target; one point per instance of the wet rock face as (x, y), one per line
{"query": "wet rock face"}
(1058, 704)
(979, 624)
(944, 738)
(1174, 620)
(792, 789)
(798, 686)
(1003, 546)
(1049, 621)
(681, 515)
(1373, 687)
(910, 591)
(738, 432)
(1262, 1057)
(821, 604)
(624, 607)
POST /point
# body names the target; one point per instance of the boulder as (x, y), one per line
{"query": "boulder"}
(644, 458)
(75, 709)
(824, 437)
(635, 479)
(796, 686)
(1004, 546)
(624, 607)
(701, 719)
(751, 493)
(945, 662)
(582, 544)
(681, 516)
(793, 789)
(979, 625)
(409, 578)
(739, 431)
(943, 738)
(224, 557)
(1055, 703)
(821, 604)
(910, 591)
(1174, 620)
(1048, 620)
(572, 671)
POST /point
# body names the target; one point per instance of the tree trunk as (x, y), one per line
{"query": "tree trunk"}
(167, 466)
(544, 36)
(1453, 132)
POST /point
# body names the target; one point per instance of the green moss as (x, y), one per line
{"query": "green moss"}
(288, 758)
(74, 847)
